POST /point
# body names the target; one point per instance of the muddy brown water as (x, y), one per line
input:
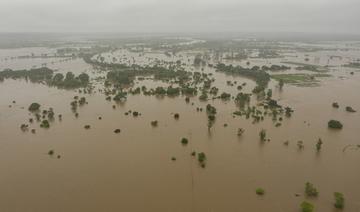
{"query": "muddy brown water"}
(133, 171)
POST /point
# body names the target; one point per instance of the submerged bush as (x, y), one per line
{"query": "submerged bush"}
(202, 159)
(45, 124)
(306, 207)
(350, 109)
(260, 191)
(339, 200)
(262, 135)
(334, 124)
(176, 116)
(154, 123)
(184, 141)
(34, 107)
(310, 190)
(335, 105)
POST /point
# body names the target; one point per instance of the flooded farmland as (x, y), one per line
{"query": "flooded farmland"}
(157, 94)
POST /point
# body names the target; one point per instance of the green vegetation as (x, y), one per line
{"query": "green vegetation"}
(242, 99)
(45, 75)
(334, 124)
(202, 159)
(350, 109)
(339, 200)
(275, 68)
(184, 141)
(299, 79)
(176, 116)
(312, 68)
(255, 73)
(51, 152)
(260, 191)
(352, 65)
(45, 124)
(154, 123)
(307, 207)
(34, 107)
(318, 145)
(262, 135)
(310, 190)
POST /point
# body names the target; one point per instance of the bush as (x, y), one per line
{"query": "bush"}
(45, 124)
(176, 116)
(34, 107)
(184, 141)
(335, 105)
(262, 135)
(310, 190)
(339, 200)
(154, 123)
(350, 109)
(306, 207)
(260, 191)
(51, 152)
(201, 157)
(334, 124)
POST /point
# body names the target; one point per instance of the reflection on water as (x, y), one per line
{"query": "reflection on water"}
(132, 171)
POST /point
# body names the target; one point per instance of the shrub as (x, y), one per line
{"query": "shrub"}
(306, 207)
(176, 116)
(350, 109)
(202, 159)
(260, 191)
(184, 141)
(262, 135)
(34, 107)
(310, 190)
(334, 124)
(335, 105)
(45, 124)
(154, 123)
(339, 200)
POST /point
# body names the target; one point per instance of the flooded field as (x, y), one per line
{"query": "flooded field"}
(79, 163)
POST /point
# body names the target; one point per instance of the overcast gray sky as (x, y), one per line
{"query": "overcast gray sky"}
(327, 16)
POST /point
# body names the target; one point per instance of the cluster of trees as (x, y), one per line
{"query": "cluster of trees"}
(275, 68)
(70, 80)
(34, 75)
(47, 75)
(255, 73)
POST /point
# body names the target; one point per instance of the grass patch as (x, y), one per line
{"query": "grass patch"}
(299, 79)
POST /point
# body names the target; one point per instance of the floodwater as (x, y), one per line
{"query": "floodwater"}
(133, 171)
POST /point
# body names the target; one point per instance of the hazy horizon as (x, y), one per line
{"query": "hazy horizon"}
(171, 16)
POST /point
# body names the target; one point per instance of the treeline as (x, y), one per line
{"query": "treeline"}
(46, 75)
(255, 73)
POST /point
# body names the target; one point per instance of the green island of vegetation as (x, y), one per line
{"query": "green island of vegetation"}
(46, 75)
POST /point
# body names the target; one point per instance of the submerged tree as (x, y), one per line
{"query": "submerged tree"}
(34, 107)
(184, 141)
(262, 135)
(306, 207)
(318, 145)
(334, 124)
(339, 200)
(310, 190)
